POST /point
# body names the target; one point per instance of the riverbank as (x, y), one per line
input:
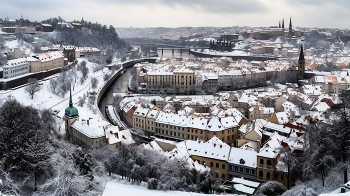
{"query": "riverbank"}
(101, 92)
(235, 55)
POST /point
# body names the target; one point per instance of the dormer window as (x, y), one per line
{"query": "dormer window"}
(241, 161)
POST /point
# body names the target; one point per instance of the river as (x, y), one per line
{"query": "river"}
(118, 86)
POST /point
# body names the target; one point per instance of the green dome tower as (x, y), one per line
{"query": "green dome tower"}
(71, 114)
(71, 111)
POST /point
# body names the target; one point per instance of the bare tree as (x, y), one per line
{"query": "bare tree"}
(82, 80)
(3, 58)
(32, 87)
(106, 77)
(81, 101)
(53, 84)
(85, 72)
(116, 102)
(318, 157)
(94, 82)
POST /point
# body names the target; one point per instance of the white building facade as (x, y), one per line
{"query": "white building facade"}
(15, 67)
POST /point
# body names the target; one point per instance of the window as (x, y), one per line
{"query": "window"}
(203, 162)
(241, 169)
(282, 177)
(223, 176)
(211, 164)
(247, 170)
(217, 165)
(252, 172)
(223, 166)
(236, 168)
(261, 173)
(268, 163)
(261, 161)
(268, 176)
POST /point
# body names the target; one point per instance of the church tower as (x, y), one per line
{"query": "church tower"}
(282, 26)
(290, 27)
(70, 115)
(301, 64)
(82, 22)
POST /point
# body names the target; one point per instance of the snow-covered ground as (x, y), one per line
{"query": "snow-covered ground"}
(45, 99)
(122, 187)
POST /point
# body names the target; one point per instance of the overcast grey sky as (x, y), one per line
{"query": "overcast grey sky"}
(175, 13)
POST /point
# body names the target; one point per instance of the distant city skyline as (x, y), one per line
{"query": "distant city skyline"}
(179, 13)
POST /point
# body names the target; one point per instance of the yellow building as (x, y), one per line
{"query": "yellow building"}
(266, 164)
(34, 65)
(157, 80)
(225, 128)
(45, 61)
(213, 154)
(139, 118)
(181, 79)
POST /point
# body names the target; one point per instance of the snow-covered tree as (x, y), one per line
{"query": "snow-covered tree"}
(94, 82)
(32, 87)
(318, 156)
(81, 101)
(106, 77)
(53, 85)
(301, 190)
(271, 188)
(85, 72)
(3, 58)
(23, 140)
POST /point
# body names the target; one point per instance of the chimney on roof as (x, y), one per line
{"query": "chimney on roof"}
(220, 145)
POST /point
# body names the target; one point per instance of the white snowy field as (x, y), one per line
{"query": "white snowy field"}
(122, 187)
(45, 99)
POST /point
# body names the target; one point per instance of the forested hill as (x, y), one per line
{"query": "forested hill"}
(92, 35)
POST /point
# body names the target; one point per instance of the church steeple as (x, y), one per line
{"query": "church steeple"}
(279, 24)
(283, 23)
(290, 27)
(71, 114)
(290, 22)
(70, 98)
(71, 111)
(301, 55)
(301, 64)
